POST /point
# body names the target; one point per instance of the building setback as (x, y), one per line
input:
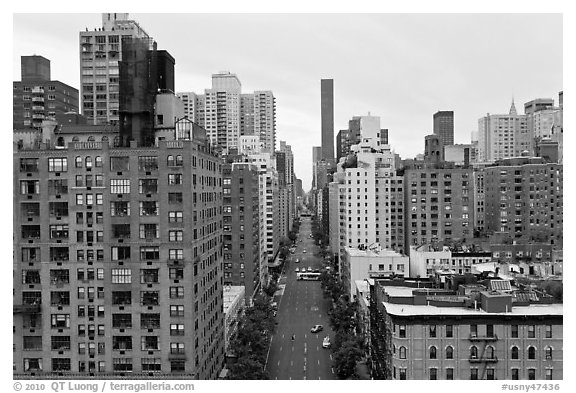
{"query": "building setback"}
(36, 97)
(117, 261)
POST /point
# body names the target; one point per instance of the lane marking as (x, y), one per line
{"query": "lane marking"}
(292, 348)
(332, 370)
(278, 363)
(282, 335)
(280, 348)
(330, 356)
(291, 363)
(318, 362)
(318, 377)
(317, 348)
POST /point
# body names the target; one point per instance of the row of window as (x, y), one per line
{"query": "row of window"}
(118, 364)
(475, 374)
(489, 331)
(489, 352)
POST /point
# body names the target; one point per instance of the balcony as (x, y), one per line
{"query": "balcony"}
(27, 308)
(37, 99)
(38, 90)
(483, 360)
(475, 337)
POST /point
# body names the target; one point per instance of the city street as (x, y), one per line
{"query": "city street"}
(300, 307)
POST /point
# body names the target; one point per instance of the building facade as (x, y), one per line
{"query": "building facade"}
(472, 333)
(327, 118)
(117, 261)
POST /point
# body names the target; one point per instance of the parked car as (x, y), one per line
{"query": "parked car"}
(326, 342)
(309, 269)
(297, 270)
(297, 260)
(304, 251)
(317, 328)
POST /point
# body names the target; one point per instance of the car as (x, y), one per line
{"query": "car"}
(304, 251)
(297, 260)
(274, 305)
(317, 328)
(309, 269)
(326, 342)
(291, 251)
(297, 270)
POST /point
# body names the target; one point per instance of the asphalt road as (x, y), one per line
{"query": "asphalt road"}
(300, 307)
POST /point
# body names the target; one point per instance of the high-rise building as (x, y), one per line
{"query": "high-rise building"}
(100, 54)
(350, 137)
(241, 227)
(439, 204)
(444, 126)
(228, 114)
(503, 136)
(327, 117)
(36, 97)
(117, 261)
(524, 198)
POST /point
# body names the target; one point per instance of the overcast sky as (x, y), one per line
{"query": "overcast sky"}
(401, 67)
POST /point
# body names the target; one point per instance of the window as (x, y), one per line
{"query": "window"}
(119, 209)
(174, 197)
(449, 352)
(175, 217)
(450, 373)
(489, 330)
(531, 331)
(402, 373)
(148, 208)
(402, 352)
(147, 163)
(433, 373)
(175, 236)
(548, 352)
(120, 253)
(29, 187)
(449, 331)
(149, 298)
(548, 331)
(490, 374)
(515, 375)
(514, 331)
(402, 331)
(60, 321)
(474, 374)
(473, 352)
(119, 164)
(177, 366)
(474, 330)
(98, 162)
(174, 179)
(149, 231)
(531, 353)
(61, 364)
(176, 348)
(176, 329)
(514, 353)
(432, 352)
(549, 374)
(122, 364)
(151, 364)
(148, 186)
(176, 254)
(121, 276)
(149, 276)
(531, 374)
(57, 164)
(151, 252)
(150, 321)
(432, 330)
(176, 292)
(29, 165)
(122, 321)
(120, 186)
(176, 310)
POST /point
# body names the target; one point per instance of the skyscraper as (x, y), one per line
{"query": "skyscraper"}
(327, 114)
(100, 53)
(444, 126)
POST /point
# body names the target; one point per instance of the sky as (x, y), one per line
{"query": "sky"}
(400, 67)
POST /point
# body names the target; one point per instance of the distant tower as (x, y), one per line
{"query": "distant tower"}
(327, 114)
(444, 126)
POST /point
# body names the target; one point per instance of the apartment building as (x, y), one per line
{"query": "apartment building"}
(524, 197)
(488, 330)
(241, 227)
(37, 97)
(117, 261)
(100, 54)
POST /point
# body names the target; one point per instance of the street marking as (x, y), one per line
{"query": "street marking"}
(278, 363)
(330, 356)
(317, 348)
(304, 367)
(291, 363)
(318, 377)
(292, 348)
(304, 375)
(304, 335)
(280, 348)
(318, 362)
(282, 336)
(332, 370)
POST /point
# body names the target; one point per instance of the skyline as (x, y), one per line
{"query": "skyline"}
(452, 62)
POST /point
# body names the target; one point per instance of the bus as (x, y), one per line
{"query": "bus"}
(308, 276)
